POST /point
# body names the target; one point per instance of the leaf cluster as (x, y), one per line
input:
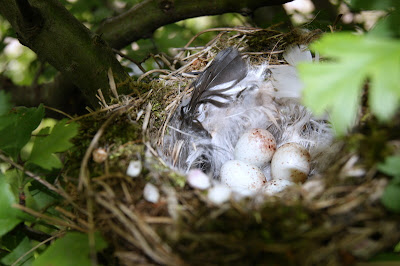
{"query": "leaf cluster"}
(27, 145)
(357, 64)
(336, 84)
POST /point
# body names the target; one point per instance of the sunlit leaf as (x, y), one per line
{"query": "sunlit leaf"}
(21, 57)
(72, 249)
(397, 248)
(48, 143)
(335, 85)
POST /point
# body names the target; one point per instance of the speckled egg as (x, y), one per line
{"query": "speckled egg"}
(291, 162)
(242, 177)
(256, 147)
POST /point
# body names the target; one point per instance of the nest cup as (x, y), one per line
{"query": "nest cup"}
(333, 218)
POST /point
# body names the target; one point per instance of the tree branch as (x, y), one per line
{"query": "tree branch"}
(144, 18)
(327, 7)
(60, 39)
(60, 94)
(84, 58)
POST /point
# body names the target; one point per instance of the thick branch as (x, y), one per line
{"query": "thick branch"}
(144, 18)
(81, 56)
(60, 39)
(327, 7)
(60, 94)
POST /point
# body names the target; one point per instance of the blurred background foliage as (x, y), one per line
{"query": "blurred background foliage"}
(22, 66)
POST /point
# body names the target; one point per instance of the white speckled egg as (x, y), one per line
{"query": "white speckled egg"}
(256, 147)
(275, 186)
(241, 176)
(291, 162)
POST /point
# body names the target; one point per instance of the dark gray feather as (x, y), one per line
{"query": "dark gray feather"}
(227, 67)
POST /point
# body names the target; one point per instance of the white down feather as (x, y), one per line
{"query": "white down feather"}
(268, 97)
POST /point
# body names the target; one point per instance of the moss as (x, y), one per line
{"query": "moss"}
(372, 140)
(265, 40)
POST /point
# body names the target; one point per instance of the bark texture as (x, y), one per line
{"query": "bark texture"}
(59, 38)
(83, 57)
(144, 18)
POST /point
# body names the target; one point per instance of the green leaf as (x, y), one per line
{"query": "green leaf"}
(72, 249)
(5, 103)
(57, 140)
(8, 215)
(397, 247)
(23, 247)
(39, 197)
(385, 257)
(335, 85)
(391, 166)
(386, 26)
(16, 128)
(391, 198)
(372, 4)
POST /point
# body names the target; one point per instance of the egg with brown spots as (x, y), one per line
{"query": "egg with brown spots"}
(242, 177)
(291, 162)
(256, 147)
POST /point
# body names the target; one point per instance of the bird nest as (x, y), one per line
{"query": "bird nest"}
(333, 218)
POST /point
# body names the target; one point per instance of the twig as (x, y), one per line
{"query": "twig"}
(37, 75)
(30, 174)
(140, 240)
(151, 72)
(188, 48)
(110, 107)
(42, 181)
(58, 111)
(101, 98)
(273, 48)
(71, 216)
(53, 220)
(261, 53)
(139, 65)
(112, 84)
(165, 61)
(155, 60)
(127, 193)
(243, 30)
(146, 117)
(158, 220)
(112, 175)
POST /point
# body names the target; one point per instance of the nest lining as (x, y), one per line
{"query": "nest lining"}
(338, 217)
